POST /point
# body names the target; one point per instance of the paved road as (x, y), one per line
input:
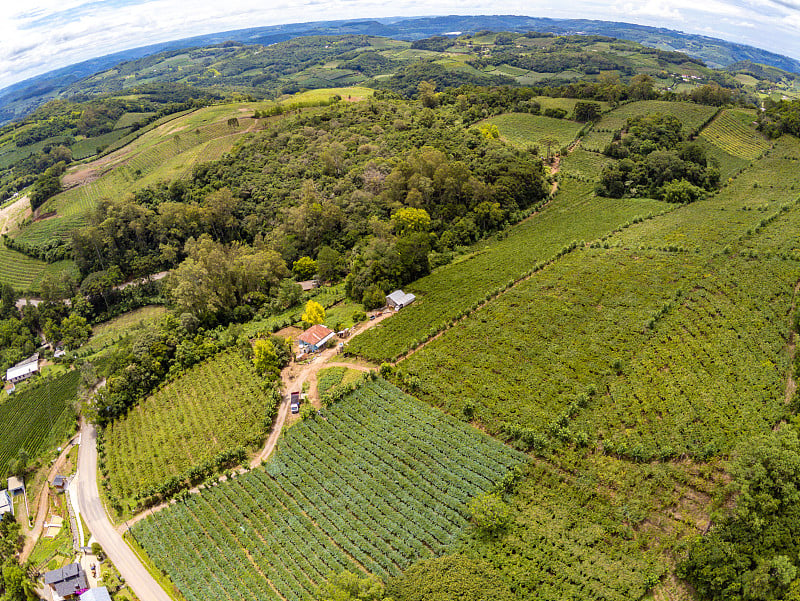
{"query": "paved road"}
(94, 514)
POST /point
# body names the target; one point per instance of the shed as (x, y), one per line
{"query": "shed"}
(96, 594)
(315, 337)
(60, 483)
(399, 299)
(15, 486)
(67, 582)
(6, 506)
(309, 285)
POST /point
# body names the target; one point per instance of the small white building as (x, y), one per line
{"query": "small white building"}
(96, 594)
(6, 506)
(399, 299)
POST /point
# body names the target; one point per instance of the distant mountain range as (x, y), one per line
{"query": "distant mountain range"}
(22, 98)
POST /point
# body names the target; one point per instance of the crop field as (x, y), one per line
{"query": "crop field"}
(572, 534)
(693, 116)
(724, 217)
(380, 482)
(584, 165)
(333, 376)
(351, 93)
(781, 237)
(729, 165)
(596, 140)
(713, 371)
(90, 146)
(453, 290)
(568, 104)
(18, 270)
(523, 129)
(733, 132)
(571, 321)
(214, 407)
(36, 417)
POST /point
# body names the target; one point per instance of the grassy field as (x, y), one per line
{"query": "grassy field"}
(108, 333)
(450, 292)
(524, 130)
(584, 165)
(333, 376)
(214, 407)
(380, 482)
(37, 417)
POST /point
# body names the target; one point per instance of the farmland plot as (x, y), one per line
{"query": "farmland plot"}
(523, 130)
(216, 406)
(380, 482)
(37, 416)
(450, 292)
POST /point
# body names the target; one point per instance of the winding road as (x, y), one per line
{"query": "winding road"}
(94, 514)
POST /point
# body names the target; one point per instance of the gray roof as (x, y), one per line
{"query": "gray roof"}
(398, 297)
(96, 594)
(67, 580)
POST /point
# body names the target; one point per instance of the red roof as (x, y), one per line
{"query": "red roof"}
(315, 334)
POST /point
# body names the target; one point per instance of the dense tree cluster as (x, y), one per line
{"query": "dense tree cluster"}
(752, 552)
(657, 161)
(780, 117)
(363, 167)
(16, 583)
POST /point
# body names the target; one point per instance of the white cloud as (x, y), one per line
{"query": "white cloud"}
(41, 35)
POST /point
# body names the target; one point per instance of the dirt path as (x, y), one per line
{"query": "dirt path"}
(43, 502)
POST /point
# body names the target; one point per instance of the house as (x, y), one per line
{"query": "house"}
(314, 338)
(60, 483)
(59, 352)
(23, 369)
(309, 285)
(67, 582)
(399, 299)
(96, 594)
(6, 506)
(15, 486)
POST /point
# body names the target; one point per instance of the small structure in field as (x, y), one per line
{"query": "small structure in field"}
(308, 285)
(53, 526)
(399, 299)
(6, 506)
(67, 582)
(60, 483)
(315, 338)
(96, 594)
(23, 369)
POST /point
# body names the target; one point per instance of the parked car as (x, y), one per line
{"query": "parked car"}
(294, 402)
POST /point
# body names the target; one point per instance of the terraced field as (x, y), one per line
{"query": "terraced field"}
(733, 132)
(693, 116)
(18, 270)
(380, 482)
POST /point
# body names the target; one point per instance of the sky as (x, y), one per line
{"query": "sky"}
(37, 36)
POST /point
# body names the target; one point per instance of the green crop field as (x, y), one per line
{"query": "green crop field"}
(453, 290)
(214, 407)
(36, 417)
(333, 376)
(90, 146)
(18, 270)
(523, 130)
(583, 164)
(693, 116)
(568, 104)
(380, 482)
(733, 132)
(129, 119)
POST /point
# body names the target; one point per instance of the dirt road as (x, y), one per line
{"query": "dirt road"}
(94, 514)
